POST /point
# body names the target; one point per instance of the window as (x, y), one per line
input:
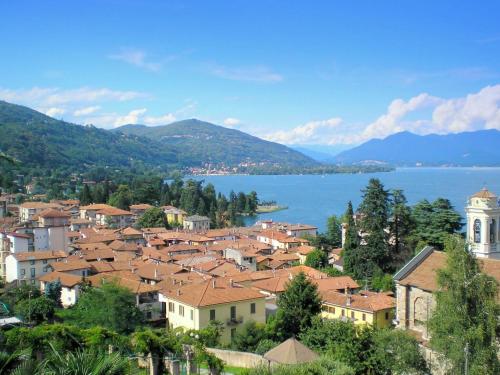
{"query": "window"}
(252, 308)
(191, 313)
(387, 316)
(233, 312)
(32, 272)
(477, 231)
(233, 333)
(364, 317)
(352, 314)
(23, 271)
(343, 312)
(45, 269)
(32, 262)
(149, 315)
(44, 261)
(212, 314)
(493, 226)
(181, 310)
(171, 307)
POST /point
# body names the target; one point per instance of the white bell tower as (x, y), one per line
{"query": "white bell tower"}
(483, 224)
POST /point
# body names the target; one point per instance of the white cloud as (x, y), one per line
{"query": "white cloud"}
(53, 96)
(313, 132)
(86, 111)
(391, 122)
(137, 58)
(257, 73)
(231, 122)
(54, 111)
(131, 118)
(160, 120)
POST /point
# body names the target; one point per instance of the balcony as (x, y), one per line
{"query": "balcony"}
(234, 321)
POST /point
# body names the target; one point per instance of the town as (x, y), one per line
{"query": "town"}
(193, 278)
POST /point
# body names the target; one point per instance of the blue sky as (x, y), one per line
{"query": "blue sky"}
(296, 72)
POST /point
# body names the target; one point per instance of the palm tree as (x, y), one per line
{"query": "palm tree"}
(17, 363)
(84, 362)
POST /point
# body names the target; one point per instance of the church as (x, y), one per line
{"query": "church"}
(483, 221)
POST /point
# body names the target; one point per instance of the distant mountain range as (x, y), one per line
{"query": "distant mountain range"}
(479, 148)
(195, 141)
(40, 141)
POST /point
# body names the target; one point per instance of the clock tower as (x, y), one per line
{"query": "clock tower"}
(483, 224)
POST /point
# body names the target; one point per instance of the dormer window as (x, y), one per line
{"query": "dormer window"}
(477, 231)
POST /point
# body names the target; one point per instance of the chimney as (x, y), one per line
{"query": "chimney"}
(349, 300)
(156, 273)
(231, 283)
(178, 292)
(180, 283)
(213, 283)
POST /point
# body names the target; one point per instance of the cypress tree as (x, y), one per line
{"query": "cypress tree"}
(85, 196)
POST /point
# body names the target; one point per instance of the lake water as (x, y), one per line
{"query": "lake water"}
(312, 198)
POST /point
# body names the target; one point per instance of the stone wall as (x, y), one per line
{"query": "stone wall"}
(238, 359)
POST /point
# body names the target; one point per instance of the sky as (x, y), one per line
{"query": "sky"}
(324, 73)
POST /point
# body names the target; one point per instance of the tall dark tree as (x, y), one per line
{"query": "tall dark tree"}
(334, 231)
(298, 305)
(121, 198)
(153, 218)
(85, 196)
(464, 326)
(374, 222)
(401, 225)
(351, 243)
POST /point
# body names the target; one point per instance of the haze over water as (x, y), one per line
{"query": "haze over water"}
(312, 198)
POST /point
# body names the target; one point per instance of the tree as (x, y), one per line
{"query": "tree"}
(351, 243)
(155, 344)
(153, 218)
(36, 310)
(53, 291)
(434, 222)
(248, 339)
(297, 305)
(401, 225)
(334, 231)
(396, 352)
(374, 210)
(84, 362)
(85, 195)
(317, 259)
(106, 306)
(464, 326)
(121, 198)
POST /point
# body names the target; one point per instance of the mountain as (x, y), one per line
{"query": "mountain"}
(196, 141)
(479, 148)
(321, 153)
(40, 141)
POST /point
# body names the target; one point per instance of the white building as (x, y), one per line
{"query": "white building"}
(51, 231)
(483, 224)
(70, 286)
(11, 243)
(28, 210)
(196, 223)
(28, 266)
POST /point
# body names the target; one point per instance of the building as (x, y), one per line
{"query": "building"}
(364, 308)
(12, 243)
(53, 225)
(114, 217)
(28, 210)
(196, 223)
(483, 224)
(70, 286)
(243, 257)
(175, 216)
(417, 281)
(28, 266)
(139, 209)
(194, 306)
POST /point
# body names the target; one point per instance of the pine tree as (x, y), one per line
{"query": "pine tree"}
(464, 326)
(351, 242)
(401, 225)
(85, 196)
(374, 210)
(298, 305)
(334, 231)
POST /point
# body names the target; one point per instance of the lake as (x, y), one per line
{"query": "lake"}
(312, 198)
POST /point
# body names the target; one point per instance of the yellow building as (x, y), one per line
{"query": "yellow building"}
(371, 308)
(175, 216)
(193, 306)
